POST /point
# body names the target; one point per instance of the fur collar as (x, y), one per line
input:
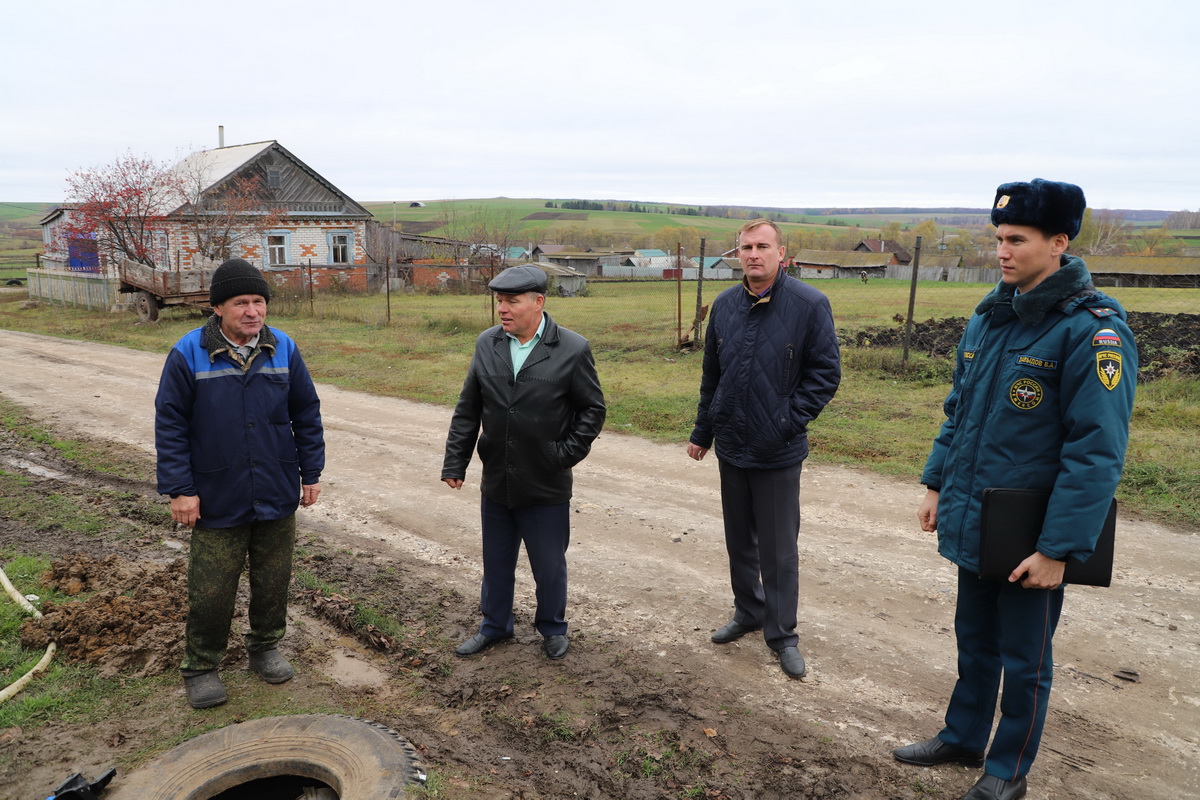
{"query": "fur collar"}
(1070, 280)
(215, 343)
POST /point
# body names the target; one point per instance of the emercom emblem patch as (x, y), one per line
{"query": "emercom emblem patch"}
(1025, 393)
(1108, 368)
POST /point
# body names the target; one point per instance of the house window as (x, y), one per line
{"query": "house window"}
(341, 247)
(277, 245)
(274, 178)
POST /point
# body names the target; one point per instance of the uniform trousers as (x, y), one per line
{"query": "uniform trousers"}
(215, 563)
(1004, 633)
(761, 510)
(546, 532)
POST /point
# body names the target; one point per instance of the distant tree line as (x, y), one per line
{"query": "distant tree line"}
(1183, 220)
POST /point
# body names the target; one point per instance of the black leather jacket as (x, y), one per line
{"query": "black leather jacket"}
(536, 426)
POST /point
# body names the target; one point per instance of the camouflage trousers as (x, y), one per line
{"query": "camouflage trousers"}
(214, 568)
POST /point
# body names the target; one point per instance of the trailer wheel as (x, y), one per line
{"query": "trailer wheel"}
(147, 306)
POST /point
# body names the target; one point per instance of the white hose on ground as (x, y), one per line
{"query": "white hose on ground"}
(20, 600)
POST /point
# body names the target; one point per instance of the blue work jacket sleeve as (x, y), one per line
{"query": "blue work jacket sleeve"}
(172, 424)
(304, 409)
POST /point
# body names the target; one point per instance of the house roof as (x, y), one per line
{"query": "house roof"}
(886, 246)
(849, 259)
(550, 248)
(1143, 265)
(661, 262)
(650, 253)
(207, 169)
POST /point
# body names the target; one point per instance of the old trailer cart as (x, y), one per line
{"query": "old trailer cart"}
(155, 288)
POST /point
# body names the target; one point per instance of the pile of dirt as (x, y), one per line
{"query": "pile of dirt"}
(1167, 344)
(131, 624)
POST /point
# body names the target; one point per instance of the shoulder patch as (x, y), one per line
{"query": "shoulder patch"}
(1025, 393)
(1106, 337)
(1108, 368)
(1103, 312)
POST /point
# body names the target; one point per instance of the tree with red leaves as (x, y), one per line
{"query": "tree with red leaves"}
(123, 206)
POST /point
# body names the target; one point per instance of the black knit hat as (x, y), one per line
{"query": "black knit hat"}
(236, 277)
(1050, 206)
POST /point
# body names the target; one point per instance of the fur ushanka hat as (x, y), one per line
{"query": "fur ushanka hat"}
(1050, 206)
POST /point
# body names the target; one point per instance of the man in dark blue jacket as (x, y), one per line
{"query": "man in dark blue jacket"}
(771, 363)
(1042, 396)
(240, 446)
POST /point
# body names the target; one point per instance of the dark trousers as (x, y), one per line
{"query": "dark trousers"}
(1004, 633)
(215, 563)
(546, 532)
(761, 509)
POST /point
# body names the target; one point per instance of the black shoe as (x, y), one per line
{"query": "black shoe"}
(932, 752)
(792, 662)
(478, 643)
(992, 788)
(204, 690)
(733, 631)
(556, 646)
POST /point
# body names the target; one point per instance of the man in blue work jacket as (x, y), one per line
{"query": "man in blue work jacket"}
(1041, 399)
(240, 446)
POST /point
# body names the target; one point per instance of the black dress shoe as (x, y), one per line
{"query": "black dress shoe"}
(932, 752)
(992, 788)
(792, 662)
(478, 643)
(732, 631)
(556, 646)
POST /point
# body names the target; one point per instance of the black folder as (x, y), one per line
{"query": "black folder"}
(1012, 524)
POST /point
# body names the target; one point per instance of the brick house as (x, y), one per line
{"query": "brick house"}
(312, 221)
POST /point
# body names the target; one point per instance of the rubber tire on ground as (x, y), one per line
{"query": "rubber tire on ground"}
(147, 306)
(360, 760)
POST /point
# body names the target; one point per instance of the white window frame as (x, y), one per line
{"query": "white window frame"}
(329, 240)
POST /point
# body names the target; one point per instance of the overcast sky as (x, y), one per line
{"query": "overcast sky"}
(858, 103)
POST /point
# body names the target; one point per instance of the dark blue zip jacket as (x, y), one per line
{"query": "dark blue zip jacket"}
(242, 439)
(1042, 396)
(770, 366)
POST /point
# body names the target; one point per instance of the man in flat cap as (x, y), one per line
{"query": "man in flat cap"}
(1041, 399)
(240, 446)
(532, 387)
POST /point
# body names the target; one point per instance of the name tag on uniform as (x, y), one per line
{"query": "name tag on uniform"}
(1034, 361)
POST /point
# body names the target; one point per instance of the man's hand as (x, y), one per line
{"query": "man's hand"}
(185, 509)
(453, 483)
(1040, 572)
(308, 494)
(696, 451)
(927, 511)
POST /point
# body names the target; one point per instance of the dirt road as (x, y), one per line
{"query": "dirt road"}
(648, 568)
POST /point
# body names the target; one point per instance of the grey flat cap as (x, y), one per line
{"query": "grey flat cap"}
(519, 279)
